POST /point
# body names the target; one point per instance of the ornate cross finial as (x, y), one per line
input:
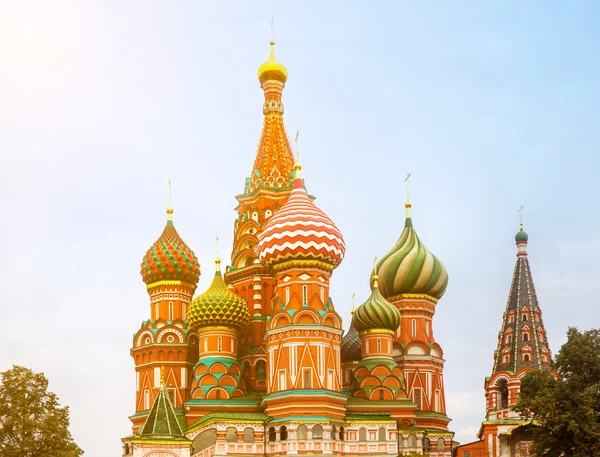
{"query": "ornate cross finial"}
(521, 216)
(297, 148)
(352, 311)
(169, 208)
(375, 264)
(162, 376)
(407, 186)
(217, 260)
(272, 34)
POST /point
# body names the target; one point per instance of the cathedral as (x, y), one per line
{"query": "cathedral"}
(258, 364)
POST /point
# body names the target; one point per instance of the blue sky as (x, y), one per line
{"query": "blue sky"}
(490, 106)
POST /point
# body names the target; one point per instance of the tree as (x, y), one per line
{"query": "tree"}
(566, 410)
(32, 423)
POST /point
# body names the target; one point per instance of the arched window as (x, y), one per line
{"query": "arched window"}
(307, 379)
(441, 445)
(540, 337)
(503, 388)
(525, 336)
(231, 435)
(412, 441)
(305, 294)
(282, 433)
(302, 432)
(362, 434)
(218, 394)
(524, 317)
(272, 434)
(333, 432)
(509, 339)
(219, 344)
(526, 358)
(341, 433)
(317, 432)
(248, 435)
(170, 310)
(261, 369)
(414, 327)
(381, 394)
(381, 435)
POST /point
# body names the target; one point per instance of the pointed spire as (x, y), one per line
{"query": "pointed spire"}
(217, 259)
(352, 310)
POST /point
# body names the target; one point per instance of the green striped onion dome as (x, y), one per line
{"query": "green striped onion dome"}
(376, 313)
(218, 306)
(409, 268)
(170, 259)
(351, 345)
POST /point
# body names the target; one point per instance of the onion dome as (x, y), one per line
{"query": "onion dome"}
(409, 268)
(521, 236)
(218, 306)
(272, 69)
(170, 259)
(350, 346)
(300, 231)
(376, 312)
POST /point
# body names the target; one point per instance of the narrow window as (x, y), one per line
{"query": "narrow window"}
(170, 310)
(378, 345)
(524, 317)
(418, 399)
(146, 399)
(205, 344)
(381, 394)
(414, 327)
(541, 337)
(219, 344)
(156, 376)
(183, 311)
(362, 434)
(525, 336)
(137, 381)
(381, 434)
(287, 295)
(322, 294)
(304, 294)
(184, 377)
(503, 386)
(330, 379)
(527, 358)
(281, 380)
(232, 348)
(283, 433)
(437, 402)
(307, 379)
(272, 434)
(218, 394)
(156, 315)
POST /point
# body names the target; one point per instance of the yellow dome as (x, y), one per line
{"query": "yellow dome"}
(272, 69)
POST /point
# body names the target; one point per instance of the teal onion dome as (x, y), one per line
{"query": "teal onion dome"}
(376, 313)
(350, 347)
(521, 236)
(410, 268)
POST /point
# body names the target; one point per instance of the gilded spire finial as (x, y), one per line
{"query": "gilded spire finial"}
(407, 205)
(375, 277)
(521, 216)
(162, 377)
(297, 165)
(352, 310)
(169, 208)
(272, 34)
(217, 259)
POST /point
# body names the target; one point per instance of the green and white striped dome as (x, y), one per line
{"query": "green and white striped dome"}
(409, 268)
(376, 313)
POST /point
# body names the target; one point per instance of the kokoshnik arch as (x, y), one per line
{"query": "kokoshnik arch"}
(258, 365)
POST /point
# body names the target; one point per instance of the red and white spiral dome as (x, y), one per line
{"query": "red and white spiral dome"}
(300, 231)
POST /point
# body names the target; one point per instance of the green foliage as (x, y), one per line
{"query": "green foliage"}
(567, 410)
(32, 423)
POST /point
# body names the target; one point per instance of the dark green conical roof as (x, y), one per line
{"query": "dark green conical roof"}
(162, 422)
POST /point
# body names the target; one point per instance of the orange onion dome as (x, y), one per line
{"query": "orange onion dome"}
(300, 231)
(170, 259)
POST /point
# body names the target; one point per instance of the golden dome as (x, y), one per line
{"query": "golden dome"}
(272, 69)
